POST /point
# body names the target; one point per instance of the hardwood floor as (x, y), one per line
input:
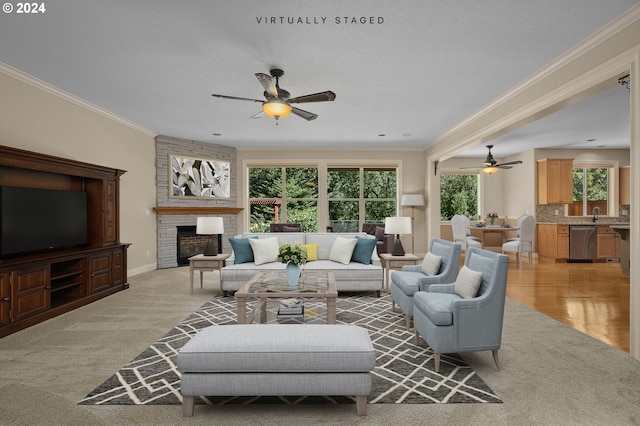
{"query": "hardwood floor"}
(590, 297)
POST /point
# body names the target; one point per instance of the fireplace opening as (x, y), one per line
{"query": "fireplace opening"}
(189, 243)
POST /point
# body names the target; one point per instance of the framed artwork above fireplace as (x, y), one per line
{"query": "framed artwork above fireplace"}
(199, 178)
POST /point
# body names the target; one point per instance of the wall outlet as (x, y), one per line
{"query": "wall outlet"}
(556, 212)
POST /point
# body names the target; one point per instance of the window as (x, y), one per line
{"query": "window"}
(354, 195)
(459, 195)
(283, 194)
(590, 191)
(360, 194)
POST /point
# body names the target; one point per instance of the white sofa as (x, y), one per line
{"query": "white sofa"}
(354, 276)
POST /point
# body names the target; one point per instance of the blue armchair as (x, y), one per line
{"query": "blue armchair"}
(411, 279)
(452, 324)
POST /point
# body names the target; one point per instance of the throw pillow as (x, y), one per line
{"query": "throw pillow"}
(431, 264)
(242, 252)
(312, 252)
(363, 250)
(380, 233)
(265, 250)
(342, 250)
(467, 283)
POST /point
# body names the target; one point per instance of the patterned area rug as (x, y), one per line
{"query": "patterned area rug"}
(403, 374)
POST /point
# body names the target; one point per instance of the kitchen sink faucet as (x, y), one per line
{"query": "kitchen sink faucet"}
(596, 211)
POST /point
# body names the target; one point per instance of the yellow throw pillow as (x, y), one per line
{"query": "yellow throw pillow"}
(312, 252)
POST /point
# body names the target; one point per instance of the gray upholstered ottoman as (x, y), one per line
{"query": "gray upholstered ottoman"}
(277, 359)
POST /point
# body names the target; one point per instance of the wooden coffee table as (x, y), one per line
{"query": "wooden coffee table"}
(265, 285)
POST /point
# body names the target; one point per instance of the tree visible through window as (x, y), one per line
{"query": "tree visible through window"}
(590, 190)
(283, 194)
(458, 195)
(360, 194)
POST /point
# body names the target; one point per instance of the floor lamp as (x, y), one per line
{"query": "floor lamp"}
(412, 200)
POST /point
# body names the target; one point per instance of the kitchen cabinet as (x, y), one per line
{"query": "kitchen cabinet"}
(554, 181)
(608, 243)
(625, 185)
(552, 241)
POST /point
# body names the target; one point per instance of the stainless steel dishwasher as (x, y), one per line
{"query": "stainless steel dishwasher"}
(583, 243)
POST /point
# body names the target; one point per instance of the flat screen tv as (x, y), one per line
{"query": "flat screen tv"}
(36, 219)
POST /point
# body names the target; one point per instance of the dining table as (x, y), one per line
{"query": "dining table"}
(493, 229)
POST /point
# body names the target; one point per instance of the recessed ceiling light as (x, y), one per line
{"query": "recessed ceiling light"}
(217, 134)
(601, 146)
(382, 134)
(591, 140)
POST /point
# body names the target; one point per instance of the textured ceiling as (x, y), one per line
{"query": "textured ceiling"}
(408, 70)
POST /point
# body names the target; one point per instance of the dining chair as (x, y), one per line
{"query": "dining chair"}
(459, 225)
(524, 243)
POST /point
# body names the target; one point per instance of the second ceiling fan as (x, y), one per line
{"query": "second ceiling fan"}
(278, 101)
(491, 165)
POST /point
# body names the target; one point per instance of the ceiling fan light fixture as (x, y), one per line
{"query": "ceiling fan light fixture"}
(276, 109)
(489, 170)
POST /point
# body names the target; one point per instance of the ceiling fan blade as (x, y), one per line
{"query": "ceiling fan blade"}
(258, 115)
(510, 163)
(315, 97)
(268, 84)
(235, 97)
(304, 114)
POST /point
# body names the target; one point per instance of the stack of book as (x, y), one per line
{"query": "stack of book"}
(291, 309)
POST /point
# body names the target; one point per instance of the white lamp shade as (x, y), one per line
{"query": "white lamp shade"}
(209, 226)
(412, 200)
(397, 225)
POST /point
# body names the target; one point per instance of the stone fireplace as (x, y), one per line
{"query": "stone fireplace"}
(173, 212)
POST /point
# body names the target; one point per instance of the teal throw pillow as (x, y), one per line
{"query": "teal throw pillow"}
(363, 250)
(242, 252)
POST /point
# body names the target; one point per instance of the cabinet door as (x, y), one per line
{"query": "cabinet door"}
(5, 299)
(559, 184)
(547, 244)
(563, 246)
(608, 246)
(99, 272)
(30, 292)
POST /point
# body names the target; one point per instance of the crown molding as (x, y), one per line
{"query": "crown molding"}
(612, 28)
(55, 91)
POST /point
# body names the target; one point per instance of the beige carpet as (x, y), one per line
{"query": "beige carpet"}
(551, 374)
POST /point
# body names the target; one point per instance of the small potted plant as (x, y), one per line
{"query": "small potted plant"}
(492, 215)
(294, 256)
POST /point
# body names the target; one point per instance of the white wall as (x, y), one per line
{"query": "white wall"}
(34, 119)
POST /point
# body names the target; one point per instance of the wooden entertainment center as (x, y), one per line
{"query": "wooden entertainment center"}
(37, 286)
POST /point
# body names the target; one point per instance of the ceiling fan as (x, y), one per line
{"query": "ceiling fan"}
(491, 165)
(278, 101)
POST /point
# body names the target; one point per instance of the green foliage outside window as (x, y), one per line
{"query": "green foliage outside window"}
(594, 182)
(297, 202)
(458, 195)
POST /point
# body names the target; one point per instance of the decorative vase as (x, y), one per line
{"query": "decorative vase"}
(292, 271)
(492, 221)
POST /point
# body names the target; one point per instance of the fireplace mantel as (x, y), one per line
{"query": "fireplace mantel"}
(197, 210)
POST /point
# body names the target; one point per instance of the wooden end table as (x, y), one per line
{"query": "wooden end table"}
(202, 263)
(390, 262)
(314, 284)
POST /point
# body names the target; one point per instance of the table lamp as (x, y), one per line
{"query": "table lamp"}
(397, 226)
(210, 226)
